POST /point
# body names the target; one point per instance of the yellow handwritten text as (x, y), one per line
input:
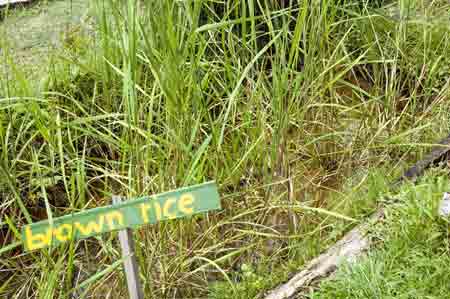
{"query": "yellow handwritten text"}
(169, 209)
(65, 232)
(146, 212)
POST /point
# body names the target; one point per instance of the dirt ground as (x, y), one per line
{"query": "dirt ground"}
(30, 35)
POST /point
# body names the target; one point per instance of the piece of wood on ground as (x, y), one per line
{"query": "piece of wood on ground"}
(356, 242)
(11, 2)
(439, 153)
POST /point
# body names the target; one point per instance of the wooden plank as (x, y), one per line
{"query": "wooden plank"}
(439, 153)
(12, 2)
(131, 267)
(182, 202)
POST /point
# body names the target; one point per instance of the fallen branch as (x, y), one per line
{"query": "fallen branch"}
(355, 242)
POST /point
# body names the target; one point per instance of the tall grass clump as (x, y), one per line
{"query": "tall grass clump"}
(287, 105)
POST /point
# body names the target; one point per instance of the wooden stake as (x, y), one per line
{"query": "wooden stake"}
(130, 264)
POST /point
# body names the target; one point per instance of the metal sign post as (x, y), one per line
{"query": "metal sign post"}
(130, 264)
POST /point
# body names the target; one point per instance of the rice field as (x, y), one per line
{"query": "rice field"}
(303, 112)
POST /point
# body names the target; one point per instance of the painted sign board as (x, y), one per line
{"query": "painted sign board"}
(129, 214)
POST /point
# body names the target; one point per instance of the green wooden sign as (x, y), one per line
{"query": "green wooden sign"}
(129, 214)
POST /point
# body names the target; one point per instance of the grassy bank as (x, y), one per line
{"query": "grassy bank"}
(301, 112)
(411, 260)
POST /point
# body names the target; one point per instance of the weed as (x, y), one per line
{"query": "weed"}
(291, 108)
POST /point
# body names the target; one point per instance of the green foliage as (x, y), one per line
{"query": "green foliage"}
(302, 112)
(249, 284)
